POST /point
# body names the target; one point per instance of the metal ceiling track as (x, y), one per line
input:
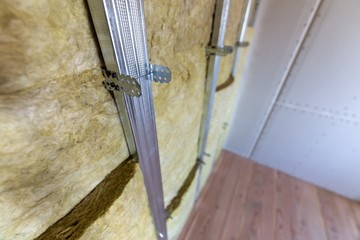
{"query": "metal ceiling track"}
(121, 32)
(215, 51)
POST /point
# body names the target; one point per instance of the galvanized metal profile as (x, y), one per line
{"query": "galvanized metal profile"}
(217, 40)
(221, 51)
(240, 41)
(120, 28)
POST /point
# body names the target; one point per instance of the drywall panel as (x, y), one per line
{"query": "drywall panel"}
(314, 146)
(314, 132)
(326, 76)
(269, 56)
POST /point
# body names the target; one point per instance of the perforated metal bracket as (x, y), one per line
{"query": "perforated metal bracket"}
(129, 85)
(220, 51)
(242, 44)
(121, 83)
(160, 73)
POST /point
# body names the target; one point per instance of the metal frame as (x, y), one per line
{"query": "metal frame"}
(217, 40)
(241, 38)
(221, 16)
(120, 28)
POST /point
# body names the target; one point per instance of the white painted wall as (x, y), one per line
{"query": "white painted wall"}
(313, 130)
(276, 38)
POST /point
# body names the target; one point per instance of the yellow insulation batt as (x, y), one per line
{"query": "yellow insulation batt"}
(60, 130)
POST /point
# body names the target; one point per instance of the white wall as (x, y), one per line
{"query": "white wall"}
(278, 28)
(312, 131)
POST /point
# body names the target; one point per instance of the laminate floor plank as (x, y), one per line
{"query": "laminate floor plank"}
(203, 211)
(243, 200)
(355, 208)
(307, 222)
(259, 218)
(348, 217)
(284, 208)
(235, 216)
(336, 221)
(220, 208)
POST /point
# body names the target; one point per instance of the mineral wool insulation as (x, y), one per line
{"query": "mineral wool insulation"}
(60, 131)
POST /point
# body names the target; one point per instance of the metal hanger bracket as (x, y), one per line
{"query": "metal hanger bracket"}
(129, 85)
(220, 51)
(160, 73)
(122, 83)
(242, 44)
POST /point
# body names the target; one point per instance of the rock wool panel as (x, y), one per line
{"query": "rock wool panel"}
(60, 131)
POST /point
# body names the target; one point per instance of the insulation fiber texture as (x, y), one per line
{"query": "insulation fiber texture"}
(93, 205)
(60, 130)
(221, 115)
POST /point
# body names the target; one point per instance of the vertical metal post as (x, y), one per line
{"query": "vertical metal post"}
(218, 37)
(241, 38)
(120, 28)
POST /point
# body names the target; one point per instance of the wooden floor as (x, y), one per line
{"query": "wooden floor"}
(244, 200)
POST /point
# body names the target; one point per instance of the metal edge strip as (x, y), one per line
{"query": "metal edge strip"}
(120, 26)
(218, 36)
(241, 38)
